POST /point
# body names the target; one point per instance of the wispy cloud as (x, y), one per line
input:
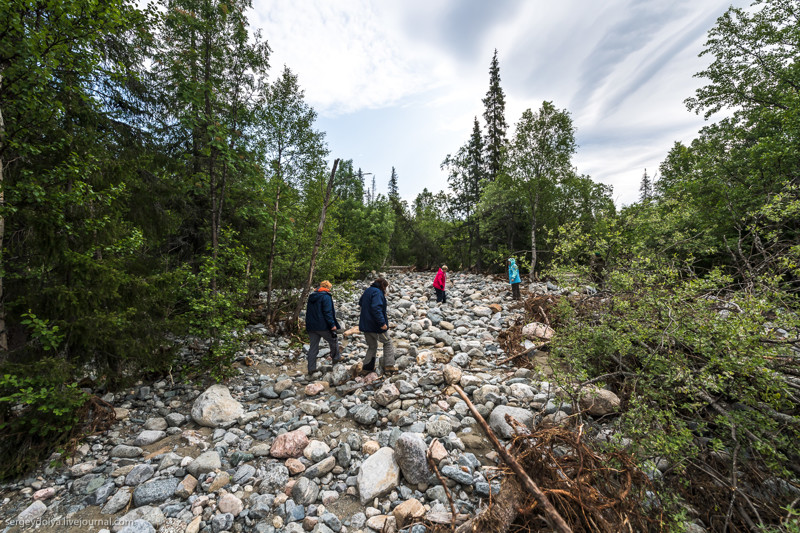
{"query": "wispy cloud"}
(420, 68)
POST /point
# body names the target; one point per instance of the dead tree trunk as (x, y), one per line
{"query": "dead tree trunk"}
(551, 515)
(325, 203)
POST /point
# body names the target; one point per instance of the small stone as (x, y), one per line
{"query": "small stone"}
(289, 444)
(240, 457)
(386, 394)
(321, 468)
(537, 330)
(275, 478)
(260, 450)
(312, 389)
(497, 420)
(295, 466)
(154, 491)
(316, 451)
(126, 452)
(243, 474)
(600, 402)
(438, 451)
(408, 511)
(147, 437)
(452, 374)
(370, 447)
(222, 522)
(305, 491)
(139, 474)
(205, 463)
(152, 515)
(377, 522)
(229, 503)
(117, 502)
(44, 494)
(364, 415)
(222, 478)
(31, 513)
(186, 487)
(156, 424)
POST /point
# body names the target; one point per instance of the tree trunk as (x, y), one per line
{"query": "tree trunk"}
(272, 252)
(212, 179)
(533, 246)
(325, 203)
(3, 334)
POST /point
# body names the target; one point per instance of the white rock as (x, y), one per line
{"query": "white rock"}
(378, 475)
(216, 408)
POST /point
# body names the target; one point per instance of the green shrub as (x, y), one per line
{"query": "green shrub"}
(704, 379)
(214, 297)
(39, 413)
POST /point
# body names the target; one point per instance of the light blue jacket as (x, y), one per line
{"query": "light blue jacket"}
(513, 271)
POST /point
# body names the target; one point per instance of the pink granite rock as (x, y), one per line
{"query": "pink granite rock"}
(289, 444)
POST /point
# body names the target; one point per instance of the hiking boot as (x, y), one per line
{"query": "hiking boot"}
(389, 370)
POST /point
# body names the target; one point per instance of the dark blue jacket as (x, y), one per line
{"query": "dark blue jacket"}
(373, 311)
(320, 314)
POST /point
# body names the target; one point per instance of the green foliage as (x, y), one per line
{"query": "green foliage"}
(38, 412)
(494, 114)
(47, 336)
(695, 363)
(215, 297)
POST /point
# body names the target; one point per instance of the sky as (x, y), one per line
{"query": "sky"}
(397, 83)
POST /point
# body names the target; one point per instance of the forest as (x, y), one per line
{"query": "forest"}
(158, 176)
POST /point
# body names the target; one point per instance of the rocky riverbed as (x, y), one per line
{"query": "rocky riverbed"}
(274, 450)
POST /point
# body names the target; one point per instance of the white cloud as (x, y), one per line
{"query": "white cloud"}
(348, 55)
(621, 67)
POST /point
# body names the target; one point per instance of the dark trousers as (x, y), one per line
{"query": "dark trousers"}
(515, 291)
(313, 349)
(441, 295)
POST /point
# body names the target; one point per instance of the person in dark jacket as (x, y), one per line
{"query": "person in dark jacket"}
(374, 324)
(321, 323)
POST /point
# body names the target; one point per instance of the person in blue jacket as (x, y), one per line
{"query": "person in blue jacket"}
(374, 324)
(321, 323)
(513, 277)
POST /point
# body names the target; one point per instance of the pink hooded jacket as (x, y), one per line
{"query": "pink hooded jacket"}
(440, 280)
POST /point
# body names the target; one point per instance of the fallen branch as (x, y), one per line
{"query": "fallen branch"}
(552, 517)
(544, 315)
(526, 352)
(432, 464)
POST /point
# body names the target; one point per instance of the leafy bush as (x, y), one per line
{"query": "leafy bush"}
(705, 373)
(214, 298)
(39, 413)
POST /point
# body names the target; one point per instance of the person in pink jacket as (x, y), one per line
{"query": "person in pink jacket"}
(439, 285)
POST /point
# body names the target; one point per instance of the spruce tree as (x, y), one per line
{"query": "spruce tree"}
(394, 193)
(494, 115)
(645, 187)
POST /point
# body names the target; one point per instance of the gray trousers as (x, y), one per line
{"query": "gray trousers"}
(313, 347)
(372, 349)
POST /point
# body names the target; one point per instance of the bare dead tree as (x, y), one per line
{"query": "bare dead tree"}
(326, 202)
